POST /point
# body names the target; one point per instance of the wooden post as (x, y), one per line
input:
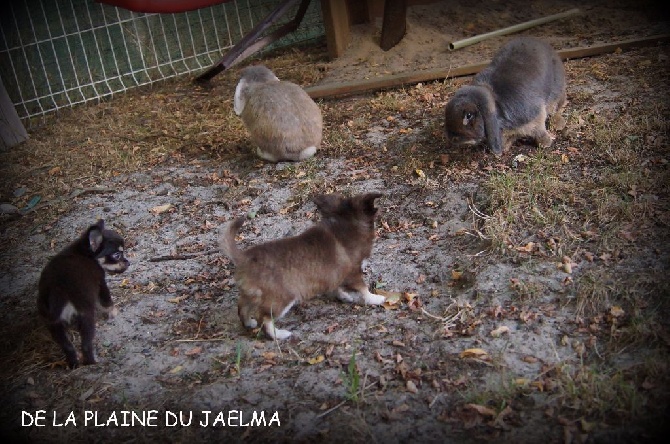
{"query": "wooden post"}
(395, 23)
(336, 23)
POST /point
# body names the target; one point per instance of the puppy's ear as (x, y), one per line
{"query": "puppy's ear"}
(368, 202)
(95, 235)
(327, 203)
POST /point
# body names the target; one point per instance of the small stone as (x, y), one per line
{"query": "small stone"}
(6, 208)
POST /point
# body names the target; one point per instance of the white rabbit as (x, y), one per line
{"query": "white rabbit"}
(510, 99)
(283, 121)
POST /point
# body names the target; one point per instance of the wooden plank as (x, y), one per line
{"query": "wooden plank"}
(396, 80)
(12, 131)
(588, 51)
(391, 81)
(336, 24)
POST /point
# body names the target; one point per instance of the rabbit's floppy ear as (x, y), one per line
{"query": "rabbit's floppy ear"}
(487, 110)
(240, 97)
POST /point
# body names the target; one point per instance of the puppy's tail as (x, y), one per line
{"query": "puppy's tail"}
(227, 239)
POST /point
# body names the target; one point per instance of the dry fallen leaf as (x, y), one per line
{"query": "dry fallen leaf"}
(161, 208)
(411, 387)
(316, 360)
(393, 299)
(194, 351)
(269, 355)
(379, 357)
(414, 304)
(538, 385)
(616, 311)
(482, 410)
(444, 159)
(567, 267)
(178, 299)
(500, 331)
(409, 297)
(473, 353)
(528, 248)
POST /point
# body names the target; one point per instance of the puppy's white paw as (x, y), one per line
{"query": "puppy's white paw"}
(373, 299)
(275, 333)
(344, 296)
(282, 334)
(111, 312)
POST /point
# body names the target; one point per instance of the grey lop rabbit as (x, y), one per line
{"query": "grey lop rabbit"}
(283, 121)
(510, 99)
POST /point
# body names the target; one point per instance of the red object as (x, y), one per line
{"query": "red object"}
(163, 6)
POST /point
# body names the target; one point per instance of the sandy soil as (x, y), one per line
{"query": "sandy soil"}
(177, 345)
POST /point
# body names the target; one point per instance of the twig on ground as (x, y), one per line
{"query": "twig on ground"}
(181, 257)
(202, 340)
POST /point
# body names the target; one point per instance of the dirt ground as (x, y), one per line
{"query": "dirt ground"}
(501, 323)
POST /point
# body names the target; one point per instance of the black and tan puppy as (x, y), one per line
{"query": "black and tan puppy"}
(72, 286)
(510, 99)
(325, 258)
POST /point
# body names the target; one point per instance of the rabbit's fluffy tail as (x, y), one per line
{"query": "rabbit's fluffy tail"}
(227, 239)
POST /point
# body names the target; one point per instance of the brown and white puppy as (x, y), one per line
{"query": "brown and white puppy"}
(510, 99)
(283, 121)
(72, 285)
(325, 258)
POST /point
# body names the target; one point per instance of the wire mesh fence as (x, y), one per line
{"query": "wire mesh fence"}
(57, 54)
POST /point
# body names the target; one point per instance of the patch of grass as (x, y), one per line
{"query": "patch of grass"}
(495, 394)
(527, 290)
(593, 289)
(231, 365)
(352, 379)
(238, 357)
(602, 394)
(337, 142)
(526, 200)
(390, 101)
(614, 181)
(639, 296)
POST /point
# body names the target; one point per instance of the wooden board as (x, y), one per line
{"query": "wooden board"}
(12, 131)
